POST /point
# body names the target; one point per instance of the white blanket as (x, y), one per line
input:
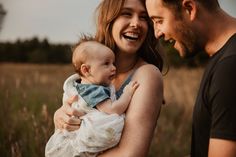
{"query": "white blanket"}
(98, 131)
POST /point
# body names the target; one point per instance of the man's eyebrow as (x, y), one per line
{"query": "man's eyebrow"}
(156, 17)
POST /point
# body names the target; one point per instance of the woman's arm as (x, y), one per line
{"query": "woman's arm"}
(65, 116)
(142, 115)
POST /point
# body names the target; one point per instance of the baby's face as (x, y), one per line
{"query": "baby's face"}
(102, 67)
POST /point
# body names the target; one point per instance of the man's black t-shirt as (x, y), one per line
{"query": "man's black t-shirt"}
(214, 114)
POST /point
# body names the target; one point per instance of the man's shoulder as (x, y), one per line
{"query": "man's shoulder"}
(230, 48)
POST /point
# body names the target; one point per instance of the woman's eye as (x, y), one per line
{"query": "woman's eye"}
(126, 14)
(143, 17)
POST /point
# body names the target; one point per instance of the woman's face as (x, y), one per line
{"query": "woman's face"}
(130, 27)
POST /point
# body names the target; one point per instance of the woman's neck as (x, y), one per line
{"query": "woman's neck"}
(125, 64)
(125, 67)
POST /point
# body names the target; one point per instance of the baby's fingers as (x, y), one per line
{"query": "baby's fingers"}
(132, 86)
(135, 84)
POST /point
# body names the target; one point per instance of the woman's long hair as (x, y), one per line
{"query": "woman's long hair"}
(107, 12)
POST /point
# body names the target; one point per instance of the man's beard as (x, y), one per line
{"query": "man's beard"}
(190, 41)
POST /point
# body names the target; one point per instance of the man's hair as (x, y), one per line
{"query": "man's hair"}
(210, 5)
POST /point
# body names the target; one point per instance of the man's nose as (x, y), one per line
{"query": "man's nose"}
(158, 33)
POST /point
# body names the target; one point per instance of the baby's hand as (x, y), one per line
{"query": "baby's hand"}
(131, 87)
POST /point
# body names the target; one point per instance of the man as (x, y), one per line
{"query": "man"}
(201, 25)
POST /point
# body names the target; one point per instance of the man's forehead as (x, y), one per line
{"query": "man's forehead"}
(155, 8)
(154, 1)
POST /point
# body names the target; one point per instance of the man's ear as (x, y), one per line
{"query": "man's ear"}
(85, 69)
(190, 8)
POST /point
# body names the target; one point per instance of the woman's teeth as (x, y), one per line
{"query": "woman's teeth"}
(131, 36)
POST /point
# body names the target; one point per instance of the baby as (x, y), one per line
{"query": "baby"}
(102, 125)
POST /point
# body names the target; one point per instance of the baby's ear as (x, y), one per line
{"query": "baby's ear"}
(85, 69)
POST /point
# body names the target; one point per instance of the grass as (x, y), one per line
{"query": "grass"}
(30, 94)
(173, 133)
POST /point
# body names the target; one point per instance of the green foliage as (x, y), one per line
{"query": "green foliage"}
(35, 51)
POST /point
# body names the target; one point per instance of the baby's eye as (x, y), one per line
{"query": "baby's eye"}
(106, 63)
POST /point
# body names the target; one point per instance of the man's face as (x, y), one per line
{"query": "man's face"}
(174, 27)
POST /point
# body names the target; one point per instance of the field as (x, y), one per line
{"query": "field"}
(30, 94)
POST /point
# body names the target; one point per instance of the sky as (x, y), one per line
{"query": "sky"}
(60, 21)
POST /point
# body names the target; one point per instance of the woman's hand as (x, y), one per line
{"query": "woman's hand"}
(67, 117)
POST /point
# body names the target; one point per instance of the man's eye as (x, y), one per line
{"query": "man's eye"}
(158, 21)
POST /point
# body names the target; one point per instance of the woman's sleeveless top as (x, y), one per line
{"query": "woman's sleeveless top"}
(120, 91)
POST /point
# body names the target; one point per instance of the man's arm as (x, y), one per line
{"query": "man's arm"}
(221, 148)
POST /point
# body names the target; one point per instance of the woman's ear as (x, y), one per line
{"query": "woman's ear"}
(85, 69)
(190, 8)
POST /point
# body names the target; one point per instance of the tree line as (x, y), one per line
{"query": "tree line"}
(41, 51)
(35, 51)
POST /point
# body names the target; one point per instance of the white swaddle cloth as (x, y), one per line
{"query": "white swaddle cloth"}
(98, 131)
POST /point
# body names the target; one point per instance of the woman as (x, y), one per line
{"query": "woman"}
(124, 27)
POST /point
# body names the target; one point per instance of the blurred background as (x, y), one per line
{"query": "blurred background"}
(35, 52)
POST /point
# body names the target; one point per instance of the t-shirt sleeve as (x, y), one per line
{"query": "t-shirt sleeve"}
(223, 98)
(93, 94)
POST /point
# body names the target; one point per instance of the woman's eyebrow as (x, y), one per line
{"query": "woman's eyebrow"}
(131, 9)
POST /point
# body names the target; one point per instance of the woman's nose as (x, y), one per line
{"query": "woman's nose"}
(135, 23)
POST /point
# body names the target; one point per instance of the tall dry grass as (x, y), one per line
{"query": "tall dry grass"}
(30, 94)
(173, 133)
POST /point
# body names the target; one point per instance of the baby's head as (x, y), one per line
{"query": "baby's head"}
(94, 62)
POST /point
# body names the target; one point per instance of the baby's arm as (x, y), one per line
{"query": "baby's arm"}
(119, 106)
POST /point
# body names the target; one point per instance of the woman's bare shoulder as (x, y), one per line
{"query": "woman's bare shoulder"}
(148, 71)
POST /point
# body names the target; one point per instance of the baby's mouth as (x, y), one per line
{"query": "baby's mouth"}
(112, 77)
